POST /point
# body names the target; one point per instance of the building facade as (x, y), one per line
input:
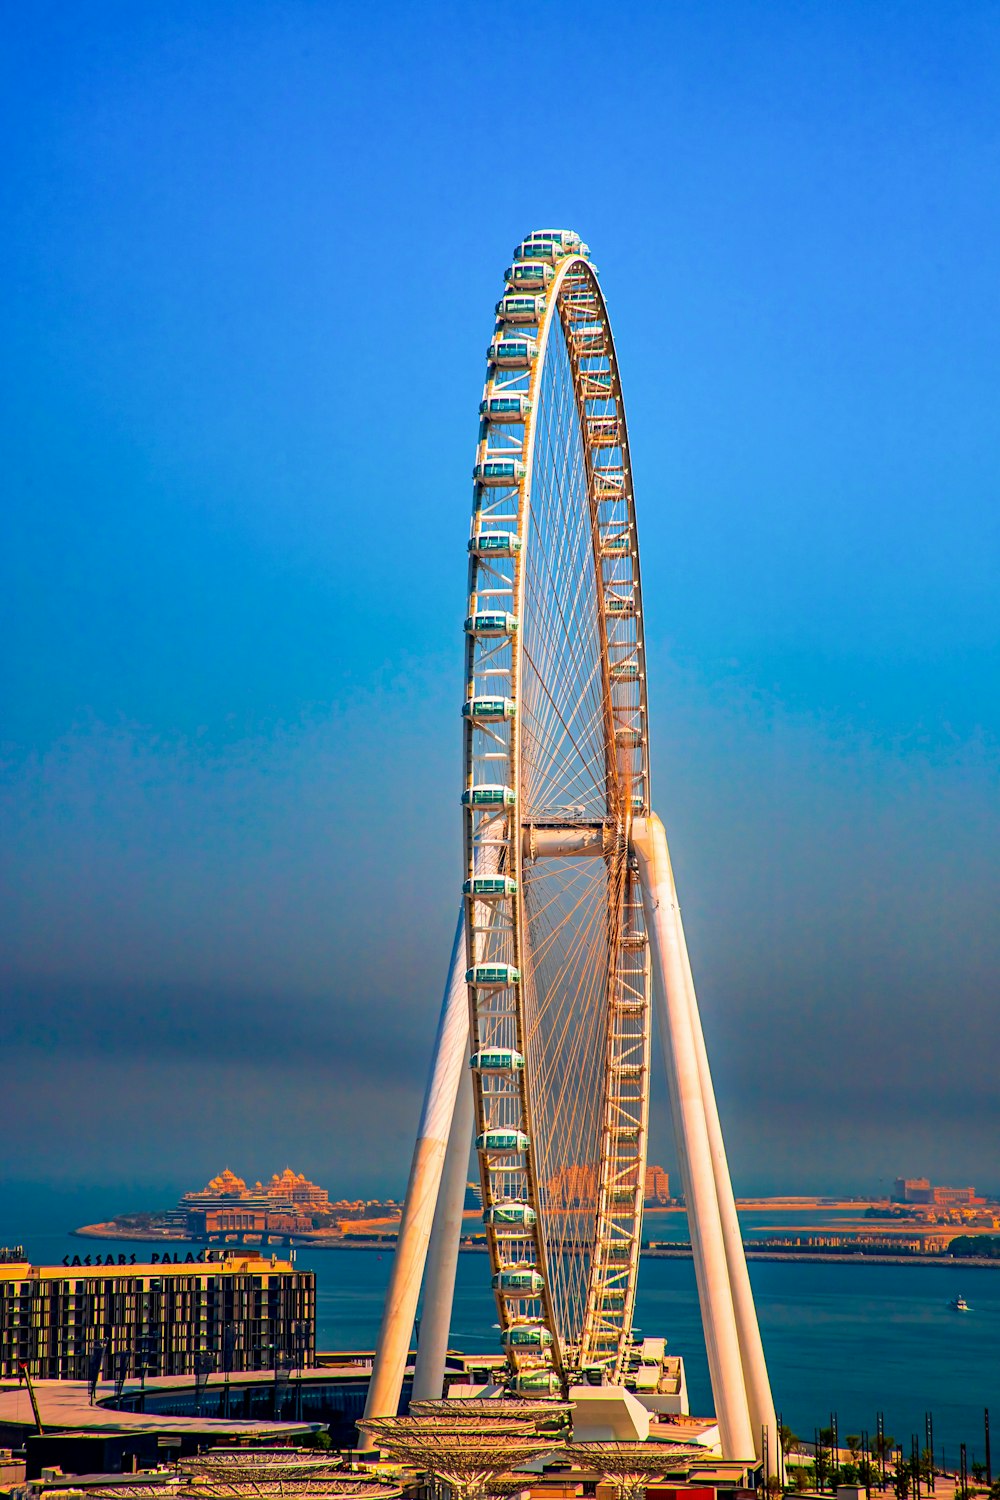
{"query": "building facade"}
(657, 1187)
(227, 1206)
(911, 1190)
(954, 1197)
(295, 1188)
(241, 1312)
(920, 1190)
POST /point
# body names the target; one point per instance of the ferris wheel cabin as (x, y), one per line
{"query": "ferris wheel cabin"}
(529, 275)
(513, 407)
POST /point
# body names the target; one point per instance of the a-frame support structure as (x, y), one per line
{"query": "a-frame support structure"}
(427, 1248)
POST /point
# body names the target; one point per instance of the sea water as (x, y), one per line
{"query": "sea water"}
(851, 1338)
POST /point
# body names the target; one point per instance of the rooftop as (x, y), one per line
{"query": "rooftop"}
(239, 1263)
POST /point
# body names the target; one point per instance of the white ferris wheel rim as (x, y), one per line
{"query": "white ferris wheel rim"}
(532, 1309)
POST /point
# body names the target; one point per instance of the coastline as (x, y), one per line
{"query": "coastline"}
(681, 1251)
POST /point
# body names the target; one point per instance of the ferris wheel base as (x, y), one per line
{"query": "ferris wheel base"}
(740, 1385)
(608, 1413)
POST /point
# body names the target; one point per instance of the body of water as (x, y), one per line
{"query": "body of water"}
(850, 1338)
(758, 1223)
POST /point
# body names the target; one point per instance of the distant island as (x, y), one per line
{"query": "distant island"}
(292, 1210)
(919, 1222)
(289, 1209)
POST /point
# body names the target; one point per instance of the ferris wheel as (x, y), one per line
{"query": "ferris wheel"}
(555, 769)
(570, 932)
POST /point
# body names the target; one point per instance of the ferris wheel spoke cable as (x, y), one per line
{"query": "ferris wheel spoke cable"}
(551, 592)
(548, 750)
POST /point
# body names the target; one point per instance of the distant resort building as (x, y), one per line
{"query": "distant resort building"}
(920, 1190)
(657, 1189)
(575, 1186)
(289, 1204)
(287, 1187)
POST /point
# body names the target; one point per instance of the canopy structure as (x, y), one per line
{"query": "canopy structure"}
(630, 1466)
(256, 1464)
(191, 1488)
(353, 1488)
(465, 1460)
(266, 1473)
(496, 1409)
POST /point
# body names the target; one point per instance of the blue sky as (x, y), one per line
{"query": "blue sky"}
(250, 257)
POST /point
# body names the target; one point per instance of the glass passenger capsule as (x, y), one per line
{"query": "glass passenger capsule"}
(492, 976)
(502, 1139)
(527, 1336)
(512, 406)
(510, 1213)
(499, 471)
(529, 275)
(490, 887)
(548, 249)
(603, 432)
(628, 738)
(490, 622)
(588, 338)
(619, 604)
(537, 1383)
(496, 1060)
(521, 1283)
(489, 710)
(607, 484)
(512, 351)
(567, 238)
(489, 796)
(581, 300)
(518, 307)
(624, 671)
(596, 384)
(495, 544)
(617, 544)
(565, 242)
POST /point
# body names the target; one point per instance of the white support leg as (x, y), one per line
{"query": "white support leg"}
(688, 1107)
(442, 1256)
(758, 1385)
(448, 1063)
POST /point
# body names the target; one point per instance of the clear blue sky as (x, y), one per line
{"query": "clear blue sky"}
(250, 257)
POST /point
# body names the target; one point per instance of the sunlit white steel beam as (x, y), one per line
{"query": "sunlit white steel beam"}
(442, 1255)
(690, 1124)
(758, 1384)
(447, 1065)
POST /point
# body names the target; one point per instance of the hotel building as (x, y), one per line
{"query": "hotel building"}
(241, 1312)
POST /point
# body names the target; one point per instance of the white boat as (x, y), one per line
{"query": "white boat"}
(959, 1304)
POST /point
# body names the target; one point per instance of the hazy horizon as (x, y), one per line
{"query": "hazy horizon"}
(254, 254)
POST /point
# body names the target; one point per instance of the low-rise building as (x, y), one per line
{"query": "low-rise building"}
(953, 1197)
